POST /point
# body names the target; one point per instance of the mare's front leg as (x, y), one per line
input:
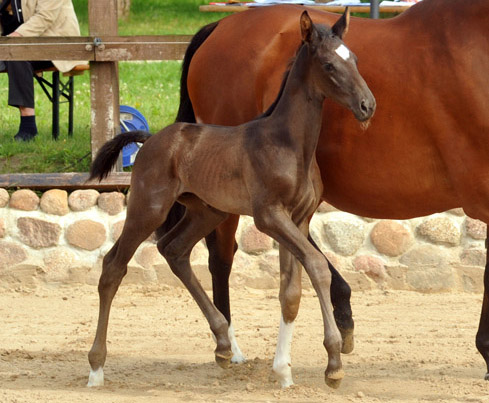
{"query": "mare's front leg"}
(222, 246)
(290, 296)
(482, 338)
(176, 247)
(276, 223)
(340, 298)
(142, 219)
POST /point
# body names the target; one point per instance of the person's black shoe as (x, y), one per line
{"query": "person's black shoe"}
(24, 136)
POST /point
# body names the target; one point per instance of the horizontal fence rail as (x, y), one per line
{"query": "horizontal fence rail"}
(95, 49)
(66, 181)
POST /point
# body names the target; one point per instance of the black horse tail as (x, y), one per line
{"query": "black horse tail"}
(186, 110)
(109, 153)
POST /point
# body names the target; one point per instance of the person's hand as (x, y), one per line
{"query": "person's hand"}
(15, 34)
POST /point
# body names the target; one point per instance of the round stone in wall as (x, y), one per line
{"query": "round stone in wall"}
(391, 238)
(345, 234)
(254, 242)
(86, 234)
(24, 199)
(38, 233)
(440, 230)
(111, 202)
(55, 201)
(372, 266)
(4, 197)
(11, 254)
(476, 229)
(81, 200)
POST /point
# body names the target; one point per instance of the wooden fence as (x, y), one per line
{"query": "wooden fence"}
(103, 49)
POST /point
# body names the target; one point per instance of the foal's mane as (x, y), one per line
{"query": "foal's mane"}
(324, 31)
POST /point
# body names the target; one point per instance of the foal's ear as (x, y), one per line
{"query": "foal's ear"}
(306, 27)
(341, 27)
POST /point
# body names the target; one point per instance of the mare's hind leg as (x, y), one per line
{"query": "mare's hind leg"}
(142, 219)
(279, 226)
(222, 246)
(340, 298)
(482, 338)
(176, 247)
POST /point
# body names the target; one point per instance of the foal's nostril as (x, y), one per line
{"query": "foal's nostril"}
(363, 106)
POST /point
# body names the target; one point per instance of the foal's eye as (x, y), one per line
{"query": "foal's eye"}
(328, 67)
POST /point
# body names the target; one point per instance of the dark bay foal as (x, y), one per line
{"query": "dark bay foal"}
(265, 168)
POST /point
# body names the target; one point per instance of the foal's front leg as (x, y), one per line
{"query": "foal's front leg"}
(290, 296)
(279, 226)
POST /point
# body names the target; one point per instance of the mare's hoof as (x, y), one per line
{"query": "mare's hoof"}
(224, 359)
(333, 379)
(486, 378)
(348, 340)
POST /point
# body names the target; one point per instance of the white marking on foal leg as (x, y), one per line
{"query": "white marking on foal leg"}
(282, 364)
(96, 378)
(238, 357)
(343, 52)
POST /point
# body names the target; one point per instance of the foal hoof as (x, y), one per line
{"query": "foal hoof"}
(224, 359)
(348, 340)
(96, 378)
(486, 378)
(333, 379)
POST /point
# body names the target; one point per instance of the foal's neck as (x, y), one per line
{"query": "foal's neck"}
(299, 107)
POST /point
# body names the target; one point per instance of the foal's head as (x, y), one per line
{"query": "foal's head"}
(335, 71)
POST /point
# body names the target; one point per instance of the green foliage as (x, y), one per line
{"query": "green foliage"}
(150, 87)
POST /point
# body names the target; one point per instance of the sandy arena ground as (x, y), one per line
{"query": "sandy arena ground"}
(410, 347)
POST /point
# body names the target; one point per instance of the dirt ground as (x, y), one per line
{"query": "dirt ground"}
(410, 347)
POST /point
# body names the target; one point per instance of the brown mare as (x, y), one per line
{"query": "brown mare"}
(427, 148)
(265, 168)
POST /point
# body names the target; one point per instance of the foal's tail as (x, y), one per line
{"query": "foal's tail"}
(186, 110)
(109, 153)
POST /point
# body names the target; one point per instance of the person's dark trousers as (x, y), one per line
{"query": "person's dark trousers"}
(21, 93)
(21, 81)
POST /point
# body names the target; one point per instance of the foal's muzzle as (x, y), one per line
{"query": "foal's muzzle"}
(365, 109)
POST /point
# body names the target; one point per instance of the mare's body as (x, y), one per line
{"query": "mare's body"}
(427, 148)
(265, 168)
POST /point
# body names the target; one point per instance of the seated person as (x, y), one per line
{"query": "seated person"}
(34, 18)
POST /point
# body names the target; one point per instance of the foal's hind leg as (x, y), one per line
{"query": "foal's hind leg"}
(279, 226)
(176, 246)
(141, 221)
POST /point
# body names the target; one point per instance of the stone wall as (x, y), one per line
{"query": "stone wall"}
(60, 238)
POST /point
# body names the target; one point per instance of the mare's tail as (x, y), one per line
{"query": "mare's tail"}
(109, 153)
(186, 110)
(185, 114)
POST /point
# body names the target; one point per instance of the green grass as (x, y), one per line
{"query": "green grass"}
(150, 87)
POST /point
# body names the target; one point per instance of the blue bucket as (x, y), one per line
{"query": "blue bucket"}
(131, 119)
